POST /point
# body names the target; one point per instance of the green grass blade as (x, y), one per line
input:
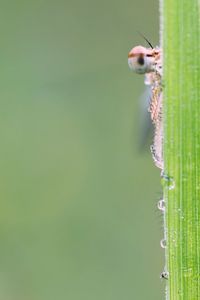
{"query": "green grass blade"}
(180, 36)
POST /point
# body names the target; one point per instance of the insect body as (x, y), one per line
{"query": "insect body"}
(148, 61)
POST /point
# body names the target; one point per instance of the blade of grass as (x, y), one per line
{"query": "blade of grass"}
(180, 39)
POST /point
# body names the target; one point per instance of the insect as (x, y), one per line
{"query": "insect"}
(147, 61)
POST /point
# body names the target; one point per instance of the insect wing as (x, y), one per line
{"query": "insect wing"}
(145, 123)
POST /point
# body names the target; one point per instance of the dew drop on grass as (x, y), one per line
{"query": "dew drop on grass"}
(161, 205)
(169, 181)
(163, 243)
(164, 275)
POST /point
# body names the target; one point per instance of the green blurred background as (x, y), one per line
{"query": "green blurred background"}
(78, 199)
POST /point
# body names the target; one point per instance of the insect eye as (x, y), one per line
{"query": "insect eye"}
(140, 60)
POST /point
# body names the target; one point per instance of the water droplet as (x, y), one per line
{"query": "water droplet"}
(163, 243)
(164, 275)
(161, 205)
(170, 180)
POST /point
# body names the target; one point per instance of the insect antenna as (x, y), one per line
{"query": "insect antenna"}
(146, 40)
